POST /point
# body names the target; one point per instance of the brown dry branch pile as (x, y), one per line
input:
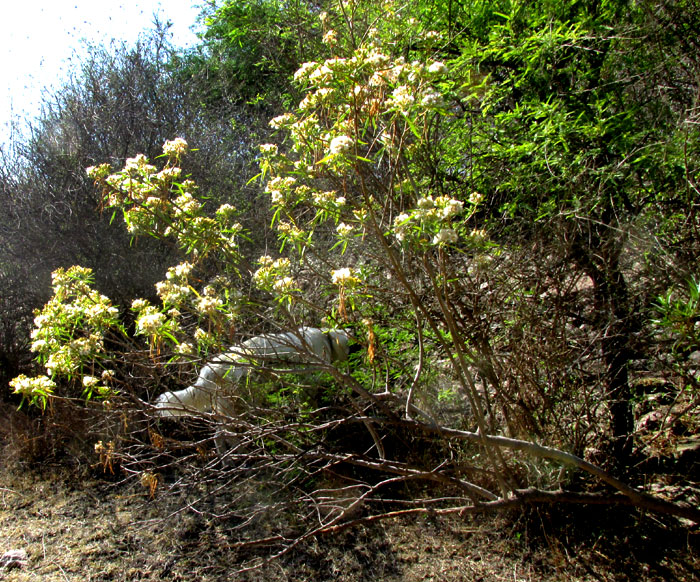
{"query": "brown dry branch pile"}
(76, 524)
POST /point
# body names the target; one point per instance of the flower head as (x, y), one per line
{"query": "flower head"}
(281, 121)
(226, 211)
(90, 381)
(344, 230)
(184, 348)
(425, 203)
(208, 304)
(343, 277)
(139, 304)
(437, 68)
(341, 145)
(175, 148)
(284, 285)
(402, 98)
(136, 162)
(476, 198)
(445, 236)
(449, 207)
(150, 322)
(268, 149)
(330, 38)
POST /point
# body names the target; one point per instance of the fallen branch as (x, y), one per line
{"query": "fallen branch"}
(636, 497)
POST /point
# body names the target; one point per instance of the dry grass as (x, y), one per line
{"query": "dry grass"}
(77, 525)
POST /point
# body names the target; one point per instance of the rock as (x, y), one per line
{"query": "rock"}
(14, 559)
(652, 420)
(668, 418)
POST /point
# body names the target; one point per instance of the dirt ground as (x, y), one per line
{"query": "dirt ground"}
(75, 523)
(75, 526)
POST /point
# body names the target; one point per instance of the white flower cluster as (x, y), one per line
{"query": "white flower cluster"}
(402, 226)
(208, 304)
(430, 216)
(284, 285)
(291, 231)
(445, 236)
(328, 198)
(344, 277)
(402, 98)
(90, 381)
(478, 234)
(175, 148)
(226, 212)
(173, 293)
(69, 331)
(269, 149)
(139, 163)
(440, 208)
(149, 322)
(448, 207)
(185, 349)
(204, 338)
(344, 230)
(33, 389)
(167, 175)
(330, 38)
(280, 189)
(282, 121)
(186, 205)
(274, 275)
(341, 144)
(437, 68)
(179, 272)
(432, 100)
(476, 198)
(153, 323)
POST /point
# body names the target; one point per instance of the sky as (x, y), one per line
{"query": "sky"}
(41, 40)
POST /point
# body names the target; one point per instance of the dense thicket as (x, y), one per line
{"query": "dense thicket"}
(591, 109)
(121, 101)
(497, 199)
(250, 51)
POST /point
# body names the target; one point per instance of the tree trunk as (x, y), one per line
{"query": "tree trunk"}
(615, 322)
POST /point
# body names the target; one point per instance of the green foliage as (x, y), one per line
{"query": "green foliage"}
(252, 49)
(566, 97)
(678, 315)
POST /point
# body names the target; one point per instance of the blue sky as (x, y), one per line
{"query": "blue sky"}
(40, 40)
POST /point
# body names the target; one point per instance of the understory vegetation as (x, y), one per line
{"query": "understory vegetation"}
(497, 200)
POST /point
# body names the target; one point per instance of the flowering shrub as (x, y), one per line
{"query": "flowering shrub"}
(160, 204)
(363, 127)
(69, 336)
(389, 180)
(352, 175)
(70, 331)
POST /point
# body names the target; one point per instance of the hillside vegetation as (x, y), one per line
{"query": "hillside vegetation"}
(496, 200)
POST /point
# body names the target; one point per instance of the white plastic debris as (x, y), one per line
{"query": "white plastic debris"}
(14, 559)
